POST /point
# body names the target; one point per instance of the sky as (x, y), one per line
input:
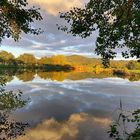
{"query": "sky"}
(52, 41)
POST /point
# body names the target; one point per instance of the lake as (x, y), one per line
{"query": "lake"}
(71, 105)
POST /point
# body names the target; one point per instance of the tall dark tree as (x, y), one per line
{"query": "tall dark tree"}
(16, 17)
(118, 24)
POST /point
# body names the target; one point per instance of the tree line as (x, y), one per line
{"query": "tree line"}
(118, 23)
(26, 59)
(7, 58)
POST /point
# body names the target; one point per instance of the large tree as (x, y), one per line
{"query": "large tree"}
(27, 58)
(6, 56)
(16, 17)
(116, 21)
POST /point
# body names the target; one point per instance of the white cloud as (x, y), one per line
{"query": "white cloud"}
(63, 41)
(55, 6)
(51, 41)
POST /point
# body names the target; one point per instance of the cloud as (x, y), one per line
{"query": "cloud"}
(52, 41)
(76, 127)
(55, 6)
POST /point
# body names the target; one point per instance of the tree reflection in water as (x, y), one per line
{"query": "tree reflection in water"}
(10, 101)
(26, 75)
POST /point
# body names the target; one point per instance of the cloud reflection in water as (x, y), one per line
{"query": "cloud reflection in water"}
(74, 110)
(78, 127)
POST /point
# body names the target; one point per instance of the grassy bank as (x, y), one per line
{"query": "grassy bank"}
(135, 71)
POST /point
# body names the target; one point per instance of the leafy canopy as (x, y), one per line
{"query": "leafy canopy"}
(16, 17)
(6, 56)
(27, 58)
(118, 24)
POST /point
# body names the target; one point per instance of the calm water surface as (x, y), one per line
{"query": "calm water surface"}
(72, 108)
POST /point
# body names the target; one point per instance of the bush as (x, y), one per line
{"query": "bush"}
(127, 127)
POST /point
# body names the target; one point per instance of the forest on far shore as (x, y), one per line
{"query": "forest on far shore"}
(77, 62)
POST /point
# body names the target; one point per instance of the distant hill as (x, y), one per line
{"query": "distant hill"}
(82, 60)
(9, 60)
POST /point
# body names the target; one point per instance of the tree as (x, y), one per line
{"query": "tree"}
(27, 59)
(127, 127)
(133, 65)
(44, 60)
(6, 57)
(118, 24)
(10, 101)
(58, 60)
(16, 17)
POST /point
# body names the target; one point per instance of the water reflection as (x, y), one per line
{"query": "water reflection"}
(80, 126)
(9, 101)
(28, 75)
(59, 76)
(74, 110)
(81, 108)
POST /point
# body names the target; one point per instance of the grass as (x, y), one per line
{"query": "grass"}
(135, 71)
